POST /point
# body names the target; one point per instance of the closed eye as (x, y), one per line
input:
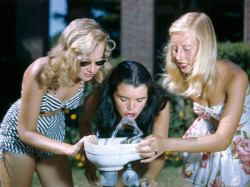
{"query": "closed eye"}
(140, 99)
(123, 99)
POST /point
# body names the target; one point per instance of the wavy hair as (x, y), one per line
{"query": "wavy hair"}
(135, 74)
(77, 42)
(202, 78)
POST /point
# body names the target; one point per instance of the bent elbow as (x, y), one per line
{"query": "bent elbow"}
(21, 134)
(224, 145)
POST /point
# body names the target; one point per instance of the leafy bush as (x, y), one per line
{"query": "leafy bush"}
(238, 53)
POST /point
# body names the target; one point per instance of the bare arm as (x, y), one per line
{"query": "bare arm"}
(88, 113)
(235, 91)
(160, 128)
(30, 111)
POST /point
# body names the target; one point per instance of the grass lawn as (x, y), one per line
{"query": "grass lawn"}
(169, 177)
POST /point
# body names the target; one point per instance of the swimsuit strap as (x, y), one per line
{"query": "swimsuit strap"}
(49, 90)
(82, 85)
(55, 92)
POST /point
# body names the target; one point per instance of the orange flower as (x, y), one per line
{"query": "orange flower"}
(73, 116)
(181, 114)
(78, 156)
(80, 164)
(83, 158)
(177, 159)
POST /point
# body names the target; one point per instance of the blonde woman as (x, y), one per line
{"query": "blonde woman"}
(216, 147)
(33, 130)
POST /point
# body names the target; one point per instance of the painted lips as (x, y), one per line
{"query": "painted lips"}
(183, 66)
(130, 114)
(89, 75)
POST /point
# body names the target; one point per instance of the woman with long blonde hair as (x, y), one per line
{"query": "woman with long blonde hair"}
(33, 130)
(216, 147)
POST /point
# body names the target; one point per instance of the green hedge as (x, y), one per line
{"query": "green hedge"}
(238, 53)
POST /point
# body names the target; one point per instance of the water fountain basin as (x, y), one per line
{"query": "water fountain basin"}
(111, 155)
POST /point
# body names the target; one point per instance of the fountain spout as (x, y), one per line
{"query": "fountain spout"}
(129, 121)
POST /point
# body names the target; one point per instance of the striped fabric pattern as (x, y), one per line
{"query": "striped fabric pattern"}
(52, 126)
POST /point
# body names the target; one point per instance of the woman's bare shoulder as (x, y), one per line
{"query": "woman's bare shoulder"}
(35, 68)
(229, 68)
(232, 73)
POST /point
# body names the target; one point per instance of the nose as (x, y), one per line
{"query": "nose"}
(179, 55)
(131, 105)
(91, 67)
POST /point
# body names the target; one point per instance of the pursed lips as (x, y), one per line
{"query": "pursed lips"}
(130, 114)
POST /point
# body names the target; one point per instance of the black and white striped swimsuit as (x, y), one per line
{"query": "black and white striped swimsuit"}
(52, 126)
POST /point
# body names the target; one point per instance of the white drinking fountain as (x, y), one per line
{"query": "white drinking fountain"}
(112, 154)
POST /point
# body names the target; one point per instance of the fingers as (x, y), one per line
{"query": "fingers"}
(143, 143)
(147, 149)
(150, 141)
(148, 160)
(80, 144)
(147, 182)
(92, 139)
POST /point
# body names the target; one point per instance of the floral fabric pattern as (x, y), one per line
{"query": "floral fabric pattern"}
(229, 168)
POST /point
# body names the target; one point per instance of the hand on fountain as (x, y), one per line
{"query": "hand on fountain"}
(78, 147)
(92, 139)
(150, 148)
(148, 182)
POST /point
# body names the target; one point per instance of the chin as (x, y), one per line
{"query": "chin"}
(87, 78)
(186, 71)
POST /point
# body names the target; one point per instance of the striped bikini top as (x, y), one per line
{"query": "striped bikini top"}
(50, 103)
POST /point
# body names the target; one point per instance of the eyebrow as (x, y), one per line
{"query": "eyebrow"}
(128, 97)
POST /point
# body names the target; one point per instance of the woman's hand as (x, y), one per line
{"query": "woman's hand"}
(151, 147)
(148, 182)
(78, 147)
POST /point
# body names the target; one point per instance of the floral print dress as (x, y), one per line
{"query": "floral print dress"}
(219, 169)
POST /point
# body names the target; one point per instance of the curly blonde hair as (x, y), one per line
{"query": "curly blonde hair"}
(202, 79)
(77, 41)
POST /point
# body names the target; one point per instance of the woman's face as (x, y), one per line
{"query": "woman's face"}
(130, 100)
(87, 72)
(184, 48)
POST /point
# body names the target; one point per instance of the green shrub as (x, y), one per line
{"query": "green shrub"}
(238, 53)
